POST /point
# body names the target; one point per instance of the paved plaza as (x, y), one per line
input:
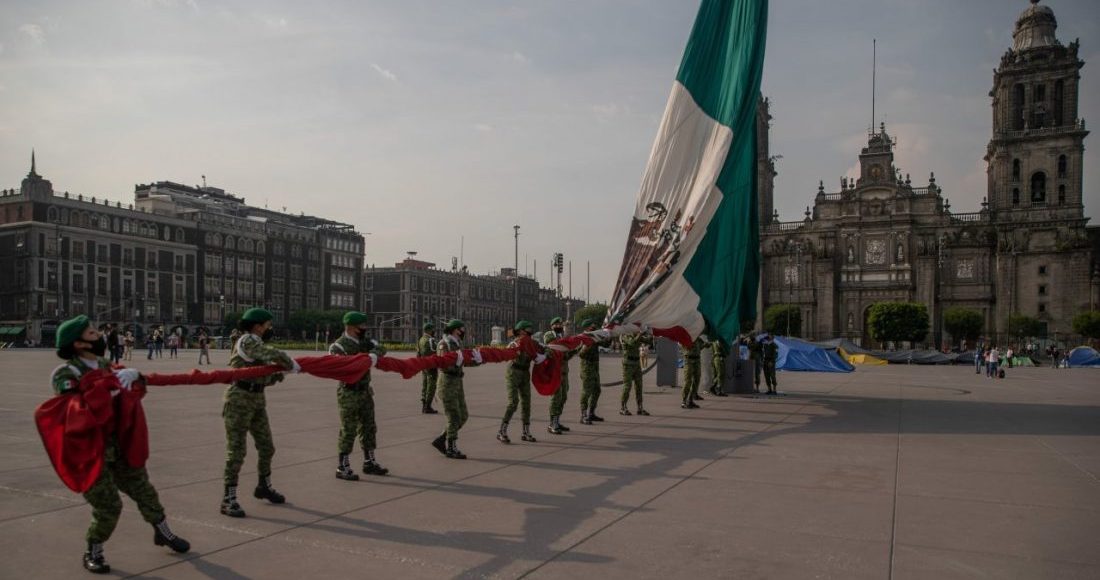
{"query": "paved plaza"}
(888, 472)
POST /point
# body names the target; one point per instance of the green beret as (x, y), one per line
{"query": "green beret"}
(524, 325)
(555, 320)
(256, 315)
(453, 324)
(589, 322)
(355, 318)
(427, 326)
(70, 330)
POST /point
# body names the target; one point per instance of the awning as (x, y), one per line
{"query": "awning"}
(12, 331)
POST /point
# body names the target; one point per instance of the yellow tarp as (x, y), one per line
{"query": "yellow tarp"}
(860, 359)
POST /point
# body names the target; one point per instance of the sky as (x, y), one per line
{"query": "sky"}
(438, 125)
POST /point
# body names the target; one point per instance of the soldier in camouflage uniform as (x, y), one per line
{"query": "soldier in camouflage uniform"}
(756, 354)
(429, 377)
(557, 401)
(692, 370)
(590, 374)
(632, 370)
(517, 378)
(450, 389)
(82, 347)
(245, 409)
(721, 351)
(770, 355)
(356, 401)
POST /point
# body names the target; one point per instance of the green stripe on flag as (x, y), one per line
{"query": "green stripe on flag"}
(722, 67)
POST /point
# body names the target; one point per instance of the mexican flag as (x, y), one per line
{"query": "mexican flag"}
(693, 253)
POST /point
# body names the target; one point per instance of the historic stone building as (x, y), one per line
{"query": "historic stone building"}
(881, 237)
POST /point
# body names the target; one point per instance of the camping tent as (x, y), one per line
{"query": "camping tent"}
(799, 355)
(916, 357)
(861, 359)
(1084, 356)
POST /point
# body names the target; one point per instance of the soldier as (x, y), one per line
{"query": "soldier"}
(632, 370)
(428, 377)
(692, 371)
(356, 401)
(82, 347)
(770, 354)
(245, 409)
(590, 374)
(756, 354)
(720, 352)
(517, 378)
(557, 402)
(450, 389)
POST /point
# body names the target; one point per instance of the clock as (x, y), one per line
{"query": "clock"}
(876, 172)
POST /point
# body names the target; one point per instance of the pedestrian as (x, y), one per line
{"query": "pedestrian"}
(204, 347)
(770, 354)
(428, 377)
(151, 345)
(632, 371)
(691, 373)
(557, 401)
(245, 409)
(129, 342)
(1008, 356)
(82, 348)
(590, 373)
(158, 341)
(717, 388)
(112, 343)
(994, 358)
(1053, 356)
(450, 389)
(173, 345)
(356, 401)
(979, 360)
(517, 380)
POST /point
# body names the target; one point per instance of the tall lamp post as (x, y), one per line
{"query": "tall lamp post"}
(515, 281)
(937, 303)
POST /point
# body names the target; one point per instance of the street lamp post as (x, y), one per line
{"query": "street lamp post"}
(937, 302)
(515, 281)
(221, 301)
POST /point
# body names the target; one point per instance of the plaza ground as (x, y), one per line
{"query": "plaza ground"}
(897, 472)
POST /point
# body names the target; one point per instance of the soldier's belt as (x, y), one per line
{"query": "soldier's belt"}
(691, 358)
(458, 373)
(249, 388)
(353, 387)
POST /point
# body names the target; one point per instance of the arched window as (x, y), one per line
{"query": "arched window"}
(179, 235)
(1018, 107)
(1015, 170)
(1038, 187)
(105, 223)
(65, 216)
(152, 231)
(167, 234)
(230, 243)
(1059, 101)
(260, 248)
(125, 226)
(51, 214)
(1062, 167)
(247, 246)
(1015, 196)
(1061, 195)
(115, 226)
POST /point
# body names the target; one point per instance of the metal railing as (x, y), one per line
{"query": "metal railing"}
(1078, 125)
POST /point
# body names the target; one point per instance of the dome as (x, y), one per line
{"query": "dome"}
(1035, 28)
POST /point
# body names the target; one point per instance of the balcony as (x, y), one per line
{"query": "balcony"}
(1076, 126)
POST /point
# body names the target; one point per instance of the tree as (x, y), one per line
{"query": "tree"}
(595, 311)
(310, 321)
(963, 323)
(1087, 324)
(778, 316)
(231, 320)
(1021, 326)
(898, 321)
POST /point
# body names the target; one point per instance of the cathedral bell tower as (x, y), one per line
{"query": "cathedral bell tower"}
(876, 161)
(1035, 155)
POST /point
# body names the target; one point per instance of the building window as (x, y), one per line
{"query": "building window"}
(1042, 289)
(1061, 195)
(1039, 187)
(1042, 270)
(1015, 170)
(1061, 167)
(1018, 107)
(1039, 112)
(1015, 196)
(1042, 308)
(1059, 101)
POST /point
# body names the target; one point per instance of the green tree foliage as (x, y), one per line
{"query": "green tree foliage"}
(596, 311)
(1022, 326)
(963, 323)
(777, 316)
(310, 321)
(1087, 324)
(898, 321)
(231, 320)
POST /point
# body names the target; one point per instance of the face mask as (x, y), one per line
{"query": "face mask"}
(461, 334)
(362, 332)
(268, 334)
(98, 347)
(557, 329)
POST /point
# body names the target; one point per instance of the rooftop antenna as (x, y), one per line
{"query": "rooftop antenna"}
(874, 71)
(204, 181)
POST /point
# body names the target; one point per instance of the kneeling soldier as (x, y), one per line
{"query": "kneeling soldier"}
(356, 400)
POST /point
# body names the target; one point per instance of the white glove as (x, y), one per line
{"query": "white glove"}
(602, 334)
(373, 359)
(539, 358)
(458, 362)
(477, 356)
(297, 368)
(373, 343)
(127, 377)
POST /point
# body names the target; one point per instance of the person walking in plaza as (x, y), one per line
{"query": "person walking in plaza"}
(173, 345)
(720, 350)
(204, 347)
(979, 359)
(245, 409)
(451, 393)
(82, 348)
(129, 343)
(992, 362)
(517, 379)
(632, 371)
(112, 343)
(557, 401)
(428, 377)
(590, 374)
(1008, 356)
(692, 371)
(770, 355)
(158, 341)
(151, 345)
(356, 401)
(756, 355)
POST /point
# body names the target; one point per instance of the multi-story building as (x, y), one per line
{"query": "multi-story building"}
(402, 298)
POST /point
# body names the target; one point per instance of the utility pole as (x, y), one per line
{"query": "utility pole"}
(515, 281)
(588, 283)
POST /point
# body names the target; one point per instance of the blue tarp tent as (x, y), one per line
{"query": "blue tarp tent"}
(799, 355)
(1084, 356)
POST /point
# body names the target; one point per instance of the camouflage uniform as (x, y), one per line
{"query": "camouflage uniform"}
(770, 352)
(692, 371)
(756, 354)
(632, 368)
(245, 408)
(719, 362)
(557, 401)
(450, 389)
(428, 377)
(590, 377)
(116, 475)
(356, 401)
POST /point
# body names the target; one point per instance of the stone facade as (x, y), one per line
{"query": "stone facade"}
(881, 238)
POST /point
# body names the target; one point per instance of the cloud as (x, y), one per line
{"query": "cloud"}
(606, 110)
(385, 73)
(34, 32)
(192, 4)
(521, 58)
(483, 127)
(275, 23)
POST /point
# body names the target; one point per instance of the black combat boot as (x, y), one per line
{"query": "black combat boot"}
(427, 409)
(370, 464)
(585, 419)
(343, 469)
(527, 436)
(230, 507)
(502, 435)
(624, 411)
(560, 426)
(264, 490)
(440, 443)
(452, 450)
(553, 427)
(94, 561)
(163, 536)
(592, 416)
(642, 412)
(696, 397)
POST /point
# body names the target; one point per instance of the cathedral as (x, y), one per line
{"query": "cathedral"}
(883, 237)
